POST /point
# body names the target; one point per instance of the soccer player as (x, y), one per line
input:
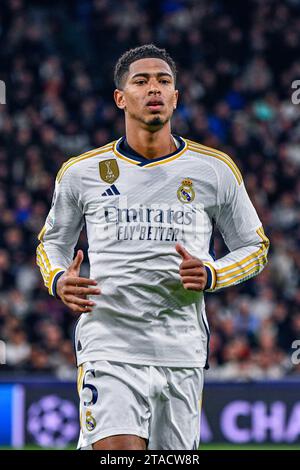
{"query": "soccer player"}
(150, 201)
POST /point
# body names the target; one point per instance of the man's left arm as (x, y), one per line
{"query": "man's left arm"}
(243, 234)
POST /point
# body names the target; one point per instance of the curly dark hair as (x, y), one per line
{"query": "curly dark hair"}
(141, 52)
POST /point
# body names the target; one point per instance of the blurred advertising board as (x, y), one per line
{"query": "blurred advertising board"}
(45, 413)
(255, 412)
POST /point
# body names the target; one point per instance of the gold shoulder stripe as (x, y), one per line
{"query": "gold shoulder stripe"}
(225, 155)
(211, 149)
(220, 156)
(226, 159)
(88, 151)
(79, 159)
(82, 155)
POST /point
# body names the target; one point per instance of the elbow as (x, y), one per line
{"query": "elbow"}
(264, 246)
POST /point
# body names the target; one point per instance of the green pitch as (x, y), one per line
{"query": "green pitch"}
(221, 446)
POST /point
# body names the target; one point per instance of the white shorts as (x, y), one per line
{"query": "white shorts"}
(159, 404)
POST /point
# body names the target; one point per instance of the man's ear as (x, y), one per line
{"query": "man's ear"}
(119, 98)
(175, 99)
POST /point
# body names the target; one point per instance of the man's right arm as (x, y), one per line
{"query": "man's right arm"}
(58, 239)
(60, 233)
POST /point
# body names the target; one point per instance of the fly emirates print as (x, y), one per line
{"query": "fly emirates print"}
(154, 222)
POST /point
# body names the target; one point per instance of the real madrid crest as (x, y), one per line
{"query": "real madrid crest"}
(109, 170)
(90, 421)
(186, 192)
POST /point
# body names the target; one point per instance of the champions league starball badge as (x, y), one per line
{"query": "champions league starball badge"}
(52, 421)
(186, 192)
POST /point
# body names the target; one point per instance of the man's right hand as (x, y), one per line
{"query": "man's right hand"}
(73, 290)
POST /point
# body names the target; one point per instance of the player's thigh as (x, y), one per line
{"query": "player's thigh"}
(113, 402)
(121, 442)
(176, 421)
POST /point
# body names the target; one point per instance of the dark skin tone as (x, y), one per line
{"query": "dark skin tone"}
(121, 442)
(148, 98)
(148, 128)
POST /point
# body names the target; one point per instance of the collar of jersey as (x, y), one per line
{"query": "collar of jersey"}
(131, 156)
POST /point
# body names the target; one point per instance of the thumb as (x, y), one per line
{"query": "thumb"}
(75, 266)
(183, 252)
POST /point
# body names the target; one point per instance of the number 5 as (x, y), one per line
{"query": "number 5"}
(92, 388)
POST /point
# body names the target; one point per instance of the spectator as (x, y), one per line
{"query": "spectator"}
(17, 348)
(235, 81)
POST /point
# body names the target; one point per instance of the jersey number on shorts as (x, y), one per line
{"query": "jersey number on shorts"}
(92, 388)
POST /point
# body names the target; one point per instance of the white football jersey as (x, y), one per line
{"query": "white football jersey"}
(135, 210)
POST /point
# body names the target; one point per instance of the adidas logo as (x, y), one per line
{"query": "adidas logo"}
(112, 191)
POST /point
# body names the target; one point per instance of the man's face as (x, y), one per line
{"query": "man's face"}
(148, 94)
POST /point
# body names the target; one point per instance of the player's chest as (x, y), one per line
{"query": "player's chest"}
(112, 183)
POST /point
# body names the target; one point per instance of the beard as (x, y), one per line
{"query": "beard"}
(153, 122)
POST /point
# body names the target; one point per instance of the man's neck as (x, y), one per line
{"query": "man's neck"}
(151, 144)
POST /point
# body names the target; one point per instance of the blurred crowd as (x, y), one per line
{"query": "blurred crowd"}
(236, 61)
